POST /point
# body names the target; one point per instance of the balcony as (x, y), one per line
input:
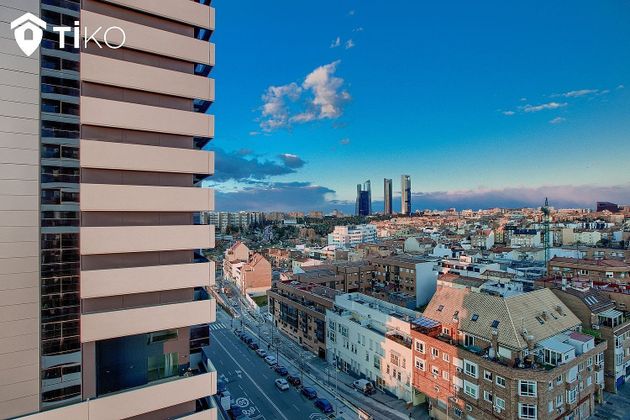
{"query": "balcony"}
(103, 197)
(184, 11)
(151, 40)
(141, 400)
(130, 75)
(134, 157)
(125, 281)
(125, 322)
(126, 239)
(130, 116)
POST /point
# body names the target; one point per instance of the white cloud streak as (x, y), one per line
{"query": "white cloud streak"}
(542, 107)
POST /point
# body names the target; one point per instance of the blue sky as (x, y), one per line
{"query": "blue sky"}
(483, 104)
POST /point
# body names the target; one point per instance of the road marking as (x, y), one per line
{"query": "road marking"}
(253, 382)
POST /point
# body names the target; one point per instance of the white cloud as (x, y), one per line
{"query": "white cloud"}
(620, 87)
(557, 120)
(352, 12)
(508, 113)
(344, 141)
(275, 111)
(359, 29)
(320, 96)
(577, 93)
(349, 44)
(336, 43)
(541, 107)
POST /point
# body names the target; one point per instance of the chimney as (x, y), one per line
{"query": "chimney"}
(495, 342)
(530, 342)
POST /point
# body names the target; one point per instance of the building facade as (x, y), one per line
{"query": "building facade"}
(352, 235)
(364, 199)
(103, 297)
(371, 339)
(241, 220)
(605, 319)
(521, 357)
(598, 271)
(299, 311)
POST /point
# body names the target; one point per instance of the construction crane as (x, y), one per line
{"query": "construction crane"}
(546, 237)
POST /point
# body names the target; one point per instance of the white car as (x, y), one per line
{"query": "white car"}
(270, 360)
(261, 352)
(282, 384)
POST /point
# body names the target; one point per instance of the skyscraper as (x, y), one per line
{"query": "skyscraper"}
(363, 205)
(103, 295)
(387, 194)
(405, 194)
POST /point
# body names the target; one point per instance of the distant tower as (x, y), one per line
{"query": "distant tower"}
(367, 186)
(546, 237)
(363, 206)
(405, 197)
(387, 193)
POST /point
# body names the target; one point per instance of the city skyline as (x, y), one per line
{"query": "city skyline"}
(474, 127)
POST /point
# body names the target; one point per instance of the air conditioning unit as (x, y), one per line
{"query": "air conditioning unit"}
(459, 370)
(499, 410)
(596, 326)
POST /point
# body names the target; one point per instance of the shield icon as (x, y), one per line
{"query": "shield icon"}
(28, 32)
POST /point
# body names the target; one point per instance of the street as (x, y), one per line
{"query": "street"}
(250, 380)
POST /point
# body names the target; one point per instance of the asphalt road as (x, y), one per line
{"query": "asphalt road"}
(251, 381)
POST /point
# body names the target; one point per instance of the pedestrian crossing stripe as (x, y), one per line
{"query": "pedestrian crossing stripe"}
(216, 326)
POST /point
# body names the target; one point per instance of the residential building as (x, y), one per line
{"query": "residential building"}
(527, 238)
(520, 357)
(405, 194)
(299, 310)
(240, 220)
(599, 271)
(250, 271)
(345, 277)
(409, 274)
(387, 196)
(419, 245)
(604, 318)
(607, 253)
(371, 339)
(102, 295)
(352, 235)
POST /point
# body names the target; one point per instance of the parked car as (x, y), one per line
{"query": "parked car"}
(247, 339)
(253, 345)
(282, 384)
(238, 332)
(281, 370)
(364, 386)
(221, 386)
(309, 392)
(294, 380)
(261, 352)
(270, 360)
(324, 405)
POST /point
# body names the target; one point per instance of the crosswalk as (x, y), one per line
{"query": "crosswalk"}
(215, 326)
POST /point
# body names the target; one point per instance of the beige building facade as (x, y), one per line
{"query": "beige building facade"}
(103, 300)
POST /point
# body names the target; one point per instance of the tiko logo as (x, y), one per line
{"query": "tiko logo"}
(28, 32)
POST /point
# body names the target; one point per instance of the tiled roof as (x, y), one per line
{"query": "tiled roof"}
(595, 300)
(478, 312)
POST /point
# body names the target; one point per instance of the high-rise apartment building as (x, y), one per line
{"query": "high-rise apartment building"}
(103, 298)
(405, 194)
(387, 194)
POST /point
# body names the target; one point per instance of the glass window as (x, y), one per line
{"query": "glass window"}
(527, 411)
(527, 388)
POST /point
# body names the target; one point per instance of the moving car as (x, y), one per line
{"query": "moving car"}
(270, 360)
(261, 352)
(364, 386)
(309, 392)
(282, 384)
(281, 370)
(294, 380)
(324, 405)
